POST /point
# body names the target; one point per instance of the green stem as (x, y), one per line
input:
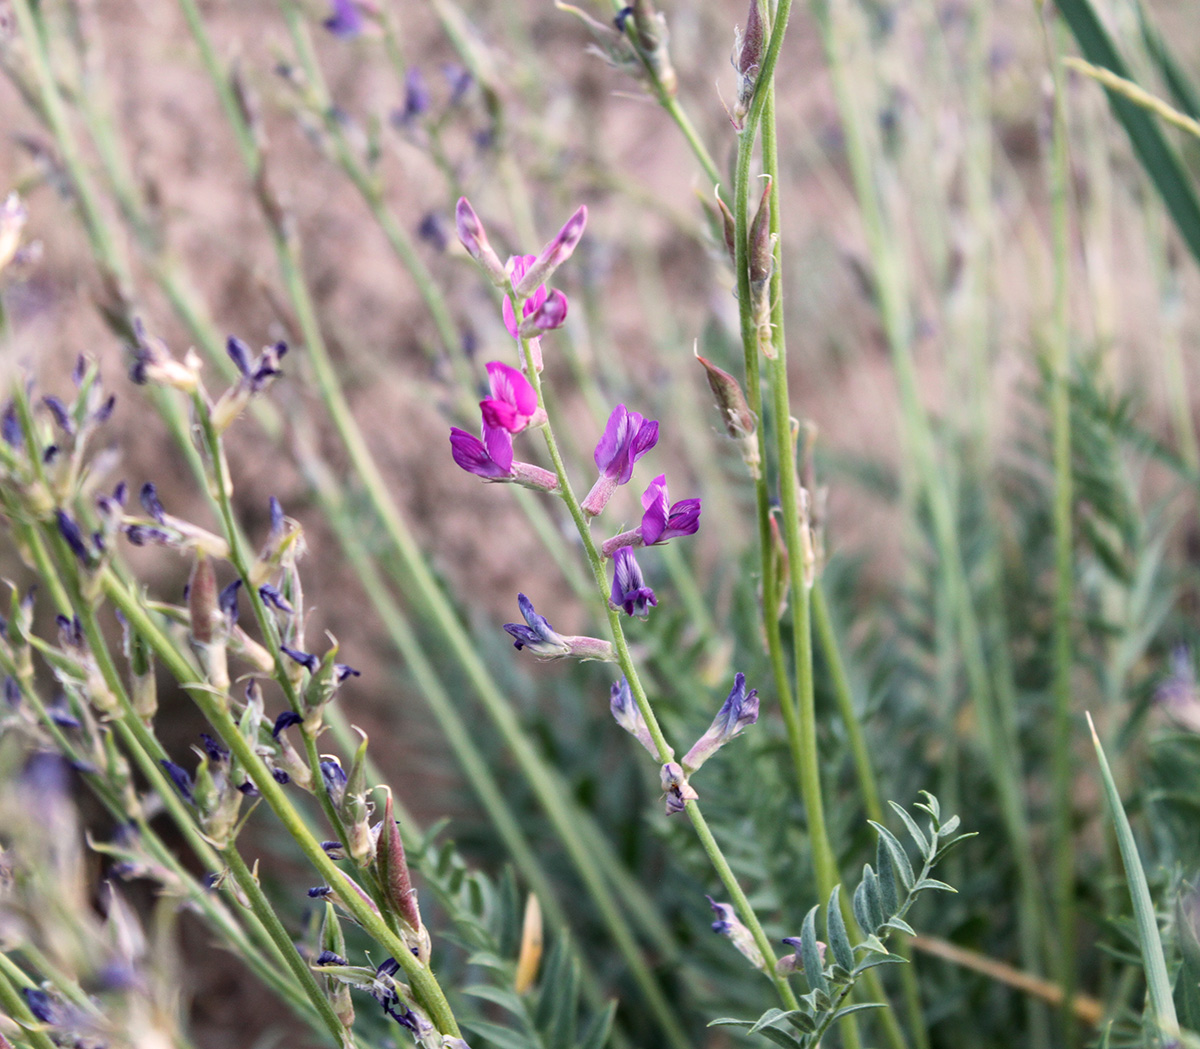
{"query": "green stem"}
(1060, 410)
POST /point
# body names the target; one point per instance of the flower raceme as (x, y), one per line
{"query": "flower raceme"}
(524, 277)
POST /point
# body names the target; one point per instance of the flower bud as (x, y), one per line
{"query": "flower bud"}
(474, 238)
(731, 402)
(391, 867)
(553, 254)
(760, 246)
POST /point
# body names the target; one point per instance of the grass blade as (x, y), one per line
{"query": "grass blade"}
(1158, 983)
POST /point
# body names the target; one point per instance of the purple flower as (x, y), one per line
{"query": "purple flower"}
(509, 410)
(306, 659)
(518, 266)
(661, 520)
(551, 314)
(179, 777)
(728, 924)
(285, 720)
(627, 437)
(629, 716)
(538, 636)
(73, 536)
(475, 457)
(553, 255)
(335, 779)
(739, 711)
(272, 596)
(346, 21)
(629, 590)
(416, 95)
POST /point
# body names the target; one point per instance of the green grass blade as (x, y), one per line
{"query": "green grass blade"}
(1158, 983)
(1160, 161)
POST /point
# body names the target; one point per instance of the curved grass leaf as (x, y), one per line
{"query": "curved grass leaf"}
(1154, 153)
(1158, 983)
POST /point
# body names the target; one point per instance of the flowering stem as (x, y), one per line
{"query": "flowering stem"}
(147, 752)
(629, 668)
(426, 989)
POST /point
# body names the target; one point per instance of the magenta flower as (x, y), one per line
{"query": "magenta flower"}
(661, 520)
(494, 461)
(476, 458)
(629, 589)
(513, 402)
(626, 438)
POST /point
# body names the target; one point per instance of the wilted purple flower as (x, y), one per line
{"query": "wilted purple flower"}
(475, 457)
(629, 590)
(539, 636)
(342, 671)
(73, 536)
(151, 503)
(214, 749)
(285, 720)
(629, 716)
(543, 640)
(627, 437)
(335, 779)
(333, 849)
(330, 958)
(319, 892)
(728, 924)
(272, 596)
(346, 20)
(60, 413)
(306, 659)
(739, 710)
(140, 535)
(280, 776)
(227, 601)
(661, 520)
(179, 776)
(12, 692)
(677, 790)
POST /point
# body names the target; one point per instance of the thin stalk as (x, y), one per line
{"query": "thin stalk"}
(1060, 409)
